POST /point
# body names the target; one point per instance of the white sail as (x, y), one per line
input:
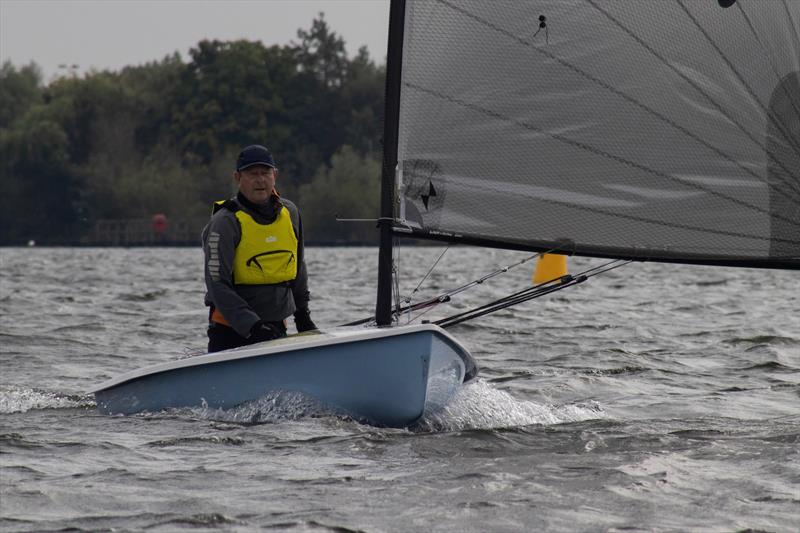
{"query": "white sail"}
(663, 130)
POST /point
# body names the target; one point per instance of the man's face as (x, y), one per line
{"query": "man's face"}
(256, 182)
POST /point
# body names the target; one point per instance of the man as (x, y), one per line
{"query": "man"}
(254, 267)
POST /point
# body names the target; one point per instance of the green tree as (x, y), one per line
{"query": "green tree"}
(155, 86)
(38, 191)
(19, 90)
(362, 95)
(101, 116)
(162, 137)
(314, 103)
(322, 53)
(229, 94)
(349, 189)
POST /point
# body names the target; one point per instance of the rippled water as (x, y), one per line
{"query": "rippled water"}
(655, 397)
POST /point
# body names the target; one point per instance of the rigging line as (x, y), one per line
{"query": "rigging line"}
(452, 292)
(603, 84)
(769, 58)
(592, 149)
(379, 219)
(433, 302)
(421, 314)
(520, 297)
(608, 267)
(605, 267)
(737, 74)
(494, 305)
(513, 299)
(534, 292)
(408, 298)
(493, 274)
(709, 98)
(443, 298)
(475, 313)
(446, 296)
(547, 285)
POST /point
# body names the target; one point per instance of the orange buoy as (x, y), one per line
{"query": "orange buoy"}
(549, 267)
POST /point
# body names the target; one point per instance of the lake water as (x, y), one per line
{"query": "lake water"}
(653, 398)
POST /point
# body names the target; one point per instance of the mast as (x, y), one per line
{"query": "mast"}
(394, 62)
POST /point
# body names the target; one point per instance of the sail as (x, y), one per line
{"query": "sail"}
(657, 130)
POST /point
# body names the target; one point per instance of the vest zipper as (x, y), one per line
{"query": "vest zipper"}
(254, 259)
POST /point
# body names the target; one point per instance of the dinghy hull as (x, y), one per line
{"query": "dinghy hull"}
(386, 377)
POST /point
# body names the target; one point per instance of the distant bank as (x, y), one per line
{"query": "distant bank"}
(156, 231)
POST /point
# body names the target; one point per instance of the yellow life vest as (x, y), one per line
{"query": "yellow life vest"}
(267, 253)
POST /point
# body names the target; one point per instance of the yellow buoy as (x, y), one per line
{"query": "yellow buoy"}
(549, 267)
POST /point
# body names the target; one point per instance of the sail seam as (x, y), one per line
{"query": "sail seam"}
(637, 104)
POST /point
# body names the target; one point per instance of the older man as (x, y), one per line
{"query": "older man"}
(254, 268)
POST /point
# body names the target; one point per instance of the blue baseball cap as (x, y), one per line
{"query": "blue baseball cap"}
(255, 154)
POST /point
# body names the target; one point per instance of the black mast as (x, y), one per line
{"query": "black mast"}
(394, 63)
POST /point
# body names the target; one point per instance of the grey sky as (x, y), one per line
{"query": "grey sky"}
(109, 34)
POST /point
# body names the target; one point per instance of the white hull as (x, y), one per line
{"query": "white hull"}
(383, 376)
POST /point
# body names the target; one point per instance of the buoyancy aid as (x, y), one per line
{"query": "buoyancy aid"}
(266, 253)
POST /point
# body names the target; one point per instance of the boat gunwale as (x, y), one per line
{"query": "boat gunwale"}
(327, 338)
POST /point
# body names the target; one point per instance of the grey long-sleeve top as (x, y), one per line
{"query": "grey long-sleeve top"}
(244, 305)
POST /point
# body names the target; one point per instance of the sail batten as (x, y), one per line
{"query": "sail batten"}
(665, 131)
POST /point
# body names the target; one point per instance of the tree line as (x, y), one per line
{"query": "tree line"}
(163, 137)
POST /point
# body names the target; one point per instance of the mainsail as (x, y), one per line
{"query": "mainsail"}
(652, 130)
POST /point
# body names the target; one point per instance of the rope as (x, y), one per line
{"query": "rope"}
(530, 293)
(525, 294)
(408, 298)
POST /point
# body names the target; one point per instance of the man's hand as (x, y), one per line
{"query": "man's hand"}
(263, 332)
(302, 319)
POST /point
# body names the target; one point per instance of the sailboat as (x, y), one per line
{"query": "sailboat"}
(634, 131)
